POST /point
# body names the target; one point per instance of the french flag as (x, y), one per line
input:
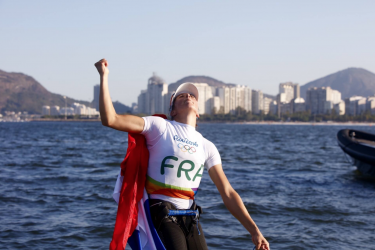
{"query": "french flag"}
(144, 237)
(133, 221)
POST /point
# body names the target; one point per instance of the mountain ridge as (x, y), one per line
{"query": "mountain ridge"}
(21, 92)
(350, 81)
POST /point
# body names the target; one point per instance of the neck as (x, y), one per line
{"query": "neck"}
(187, 119)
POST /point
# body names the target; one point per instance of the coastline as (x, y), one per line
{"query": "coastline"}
(224, 122)
(297, 123)
(63, 120)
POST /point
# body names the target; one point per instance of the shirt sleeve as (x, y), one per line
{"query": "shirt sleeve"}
(212, 155)
(153, 130)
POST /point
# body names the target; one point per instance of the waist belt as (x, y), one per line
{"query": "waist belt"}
(163, 210)
(184, 212)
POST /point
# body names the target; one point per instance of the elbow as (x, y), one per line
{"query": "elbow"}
(228, 195)
(107, 122)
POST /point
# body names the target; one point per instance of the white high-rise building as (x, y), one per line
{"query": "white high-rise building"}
(153, 100)
(240, 96)
(202, 100)
(361, 106)
(223, 94)
(321, 100)
(296, 91)
(243, 97)
(96, 96)
(248, 95)
(266, 106)
(351, 105)
(205, 103)
(46, 110)
(336, 96)
(299, 105)
(234, 96)
(210, 93)
(142, 102)
(273, 108)
(67, 111)
(330, 104)
(232, 99)
(289, 97)
(286, 91)
(282, 98)
(79, 109)
(155, 96)
(257, 101)
(371, 105)
(339, 108)
(215, 104)
(55, 110)
(91, 111)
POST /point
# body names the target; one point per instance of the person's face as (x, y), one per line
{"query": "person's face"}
(184, 102)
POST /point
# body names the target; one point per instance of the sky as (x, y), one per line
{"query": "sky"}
(255, 43)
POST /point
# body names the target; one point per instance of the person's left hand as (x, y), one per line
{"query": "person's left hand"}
(260, 242)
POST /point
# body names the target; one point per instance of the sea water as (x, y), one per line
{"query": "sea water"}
(57, 178)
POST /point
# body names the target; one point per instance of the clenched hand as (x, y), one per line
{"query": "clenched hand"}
(102, 67)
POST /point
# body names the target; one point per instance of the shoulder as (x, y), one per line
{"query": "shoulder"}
(212, 155)
(154, 119)
(154, 124)
(209, 146)
(207, 143)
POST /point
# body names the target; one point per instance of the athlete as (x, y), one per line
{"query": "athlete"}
(178, 156)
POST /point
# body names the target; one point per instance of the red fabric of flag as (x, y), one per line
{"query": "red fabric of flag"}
(134, 169)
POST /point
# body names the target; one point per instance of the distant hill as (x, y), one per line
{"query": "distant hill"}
(20, 92)
(197, 79)
(204, 79)
(121, 108)
(351, 81)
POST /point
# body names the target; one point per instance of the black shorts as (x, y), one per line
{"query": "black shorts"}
(177, 232)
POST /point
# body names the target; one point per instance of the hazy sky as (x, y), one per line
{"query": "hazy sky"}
(253, 43)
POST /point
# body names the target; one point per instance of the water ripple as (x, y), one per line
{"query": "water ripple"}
(56, 182)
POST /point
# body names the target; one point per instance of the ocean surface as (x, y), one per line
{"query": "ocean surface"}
(57, 178)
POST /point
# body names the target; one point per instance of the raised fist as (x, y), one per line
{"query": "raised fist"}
(102, 67)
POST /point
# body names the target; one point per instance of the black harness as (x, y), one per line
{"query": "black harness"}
(185, 218)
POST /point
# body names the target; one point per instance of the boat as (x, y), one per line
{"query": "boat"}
(360, 146)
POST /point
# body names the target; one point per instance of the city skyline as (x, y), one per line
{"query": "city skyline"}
(218, 97)
(286, 95)
(228, 98)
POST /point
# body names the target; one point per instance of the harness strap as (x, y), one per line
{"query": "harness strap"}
(187, 212)
(183, 212)
(166, 210)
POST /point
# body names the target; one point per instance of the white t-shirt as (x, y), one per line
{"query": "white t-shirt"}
(178, 155)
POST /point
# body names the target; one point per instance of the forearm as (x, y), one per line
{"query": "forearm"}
(107, 111)
(234, 204)
(126, 123)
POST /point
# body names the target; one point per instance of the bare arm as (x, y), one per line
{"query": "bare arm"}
(234, 204)
(108, 115)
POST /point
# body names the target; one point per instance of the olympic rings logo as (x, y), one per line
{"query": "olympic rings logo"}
(186, 148)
